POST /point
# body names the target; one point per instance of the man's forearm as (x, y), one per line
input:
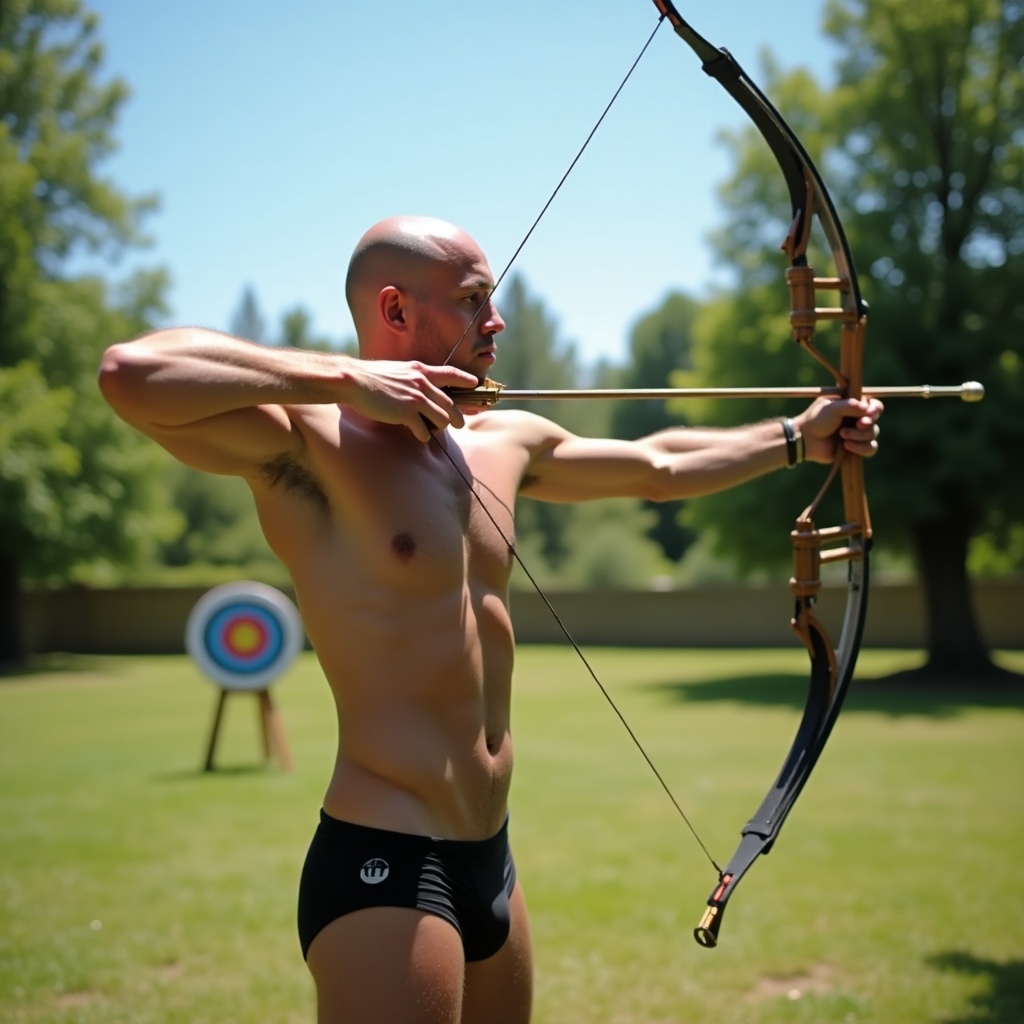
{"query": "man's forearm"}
(185, 375)
(703, 460)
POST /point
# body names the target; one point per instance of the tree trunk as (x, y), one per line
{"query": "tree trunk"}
(13, 653)
(956, 648)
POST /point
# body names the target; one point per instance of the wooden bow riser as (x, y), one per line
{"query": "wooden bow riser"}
(814, 546)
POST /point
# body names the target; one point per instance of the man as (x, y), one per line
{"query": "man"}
(362, 470)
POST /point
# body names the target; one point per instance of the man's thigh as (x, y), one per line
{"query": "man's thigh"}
(388, 964)
(499, 990)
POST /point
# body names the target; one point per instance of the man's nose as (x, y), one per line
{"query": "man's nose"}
(493, 323)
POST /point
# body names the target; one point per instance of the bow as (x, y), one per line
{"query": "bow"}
(832, 666)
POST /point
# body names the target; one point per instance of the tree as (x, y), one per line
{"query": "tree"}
(940, 201)
(659, 344)
(600, 544)
(221, 525)
(297, 332)
(610, 547)
(78, 489)
(531, 355)
(927, 149)
(247, 321)
(296, 327)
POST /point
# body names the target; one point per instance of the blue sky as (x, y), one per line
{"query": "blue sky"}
(276, 132)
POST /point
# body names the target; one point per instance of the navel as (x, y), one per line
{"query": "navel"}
(403, 545)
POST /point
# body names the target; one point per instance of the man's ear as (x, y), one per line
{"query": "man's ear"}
(391, 304)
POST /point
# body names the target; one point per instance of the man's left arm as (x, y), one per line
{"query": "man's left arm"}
(686, 462)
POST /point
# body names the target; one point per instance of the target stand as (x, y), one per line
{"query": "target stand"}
(243, 636)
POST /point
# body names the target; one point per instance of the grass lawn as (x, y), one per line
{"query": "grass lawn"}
(136, 888)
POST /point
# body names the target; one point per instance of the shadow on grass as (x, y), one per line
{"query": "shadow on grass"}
(876, 695)
(193, 774)
(1002, 1002)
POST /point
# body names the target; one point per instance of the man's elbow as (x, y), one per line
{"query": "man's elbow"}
(121, 375)
(659, 490)
(662, 481)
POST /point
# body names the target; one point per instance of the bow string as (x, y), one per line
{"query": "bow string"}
(832, 665)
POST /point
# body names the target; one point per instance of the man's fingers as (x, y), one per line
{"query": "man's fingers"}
(442, 411)
(412, 394)
(450, 377)
(438, 415)
(446, 376)
(829, 423)
(863, 439)
(418, 428)
(864, 429)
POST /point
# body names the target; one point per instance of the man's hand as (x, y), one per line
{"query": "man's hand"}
(831, 422)
(408, 394)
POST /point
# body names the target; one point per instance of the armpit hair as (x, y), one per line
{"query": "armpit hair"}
(285, 471)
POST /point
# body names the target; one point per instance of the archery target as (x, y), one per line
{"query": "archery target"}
(244, 635)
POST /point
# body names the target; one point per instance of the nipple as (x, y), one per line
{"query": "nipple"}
(403, 545)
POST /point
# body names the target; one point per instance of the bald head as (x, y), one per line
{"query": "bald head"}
(399, 251)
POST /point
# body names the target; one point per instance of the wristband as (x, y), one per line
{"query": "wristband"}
(794, 444)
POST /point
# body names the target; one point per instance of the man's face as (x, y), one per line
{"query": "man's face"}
(457, 321)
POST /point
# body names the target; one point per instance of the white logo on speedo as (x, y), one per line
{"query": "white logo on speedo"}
(374, 871)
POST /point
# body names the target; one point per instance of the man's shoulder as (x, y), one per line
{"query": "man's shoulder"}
(515, 424)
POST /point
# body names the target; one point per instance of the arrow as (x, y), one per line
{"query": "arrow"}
(491, 392)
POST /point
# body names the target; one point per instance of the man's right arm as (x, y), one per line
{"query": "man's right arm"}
(221, 404)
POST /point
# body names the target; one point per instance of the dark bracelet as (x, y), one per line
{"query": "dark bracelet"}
(794, 444)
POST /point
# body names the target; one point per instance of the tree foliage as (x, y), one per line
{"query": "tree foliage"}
(602, 544)
(922, 142)
(297, 332)
(221, 527)
(660, 346)
(939, 201)
(79, 489)
(533, 356)
(248, 321)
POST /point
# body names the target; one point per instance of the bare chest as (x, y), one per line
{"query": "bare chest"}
(432, 513)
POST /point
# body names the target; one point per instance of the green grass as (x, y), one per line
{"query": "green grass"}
(135, 888)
